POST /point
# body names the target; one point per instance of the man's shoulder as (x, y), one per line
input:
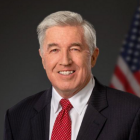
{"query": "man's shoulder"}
(115, 96)
(122, 98)
(27, 104)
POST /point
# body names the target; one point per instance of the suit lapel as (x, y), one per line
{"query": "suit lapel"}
(93, 121)
(40, 122)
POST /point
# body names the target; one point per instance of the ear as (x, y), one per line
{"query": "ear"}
(40, 53)
(94, 57)
(42, 58)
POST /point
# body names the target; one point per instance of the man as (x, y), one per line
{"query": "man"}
(96, 112)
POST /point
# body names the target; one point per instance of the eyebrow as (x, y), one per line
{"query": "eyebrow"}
(51, 45)
(76, 44)
(71, 45)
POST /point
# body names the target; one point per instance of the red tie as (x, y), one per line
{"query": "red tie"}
(62, 125)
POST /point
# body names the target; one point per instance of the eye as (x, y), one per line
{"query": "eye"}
(75, 49)
(54, 50)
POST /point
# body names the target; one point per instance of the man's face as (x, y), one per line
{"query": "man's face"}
(67, 60)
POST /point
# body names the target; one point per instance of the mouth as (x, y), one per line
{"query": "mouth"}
(66, 72)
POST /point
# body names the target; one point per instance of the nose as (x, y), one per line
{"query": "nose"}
(65, 59)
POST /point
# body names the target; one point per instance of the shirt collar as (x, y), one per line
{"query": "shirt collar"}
(55, 100)
(78, 101)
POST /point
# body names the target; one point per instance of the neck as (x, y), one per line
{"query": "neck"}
(66, 94)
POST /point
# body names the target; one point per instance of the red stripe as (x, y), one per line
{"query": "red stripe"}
(112, 86)
(123, 80)
(137, 76)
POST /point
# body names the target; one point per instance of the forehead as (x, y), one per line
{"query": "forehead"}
(65, 32)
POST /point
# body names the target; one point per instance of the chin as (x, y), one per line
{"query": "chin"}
(66, 89)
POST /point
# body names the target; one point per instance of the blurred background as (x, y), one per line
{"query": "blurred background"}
(21, 71)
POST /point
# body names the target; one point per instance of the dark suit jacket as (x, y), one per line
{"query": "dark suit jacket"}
(110, 115)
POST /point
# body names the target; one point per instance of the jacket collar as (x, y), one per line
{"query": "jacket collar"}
(44, 100)
(40, 123)
(98, 97)
(93, 121)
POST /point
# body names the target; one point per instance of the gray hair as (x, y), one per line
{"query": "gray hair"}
(67, 18)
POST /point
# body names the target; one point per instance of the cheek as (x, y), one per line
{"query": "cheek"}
(84, 67)
(86, 63)
(83, 60)
(50, 64)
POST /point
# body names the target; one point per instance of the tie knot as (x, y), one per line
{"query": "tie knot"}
(66, 104)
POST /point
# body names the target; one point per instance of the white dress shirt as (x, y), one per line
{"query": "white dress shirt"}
(79, 102)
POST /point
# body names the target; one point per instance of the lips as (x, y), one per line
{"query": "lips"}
(66, 72)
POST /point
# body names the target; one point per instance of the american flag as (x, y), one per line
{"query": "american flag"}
(126, 75)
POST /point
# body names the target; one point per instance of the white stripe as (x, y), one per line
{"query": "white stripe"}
(117, 83)
(129, 76)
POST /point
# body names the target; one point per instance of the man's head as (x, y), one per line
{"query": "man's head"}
(68, 51)
(67, 18)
